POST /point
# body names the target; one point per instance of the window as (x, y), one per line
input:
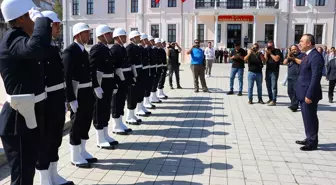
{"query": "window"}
(134, 29)
(269, 32)
(250, 33)
(155, 30)
(234, 4)
(89, 7)
(134, 6)
(91, 38)
(111, 6)
(300, 3)
(112, 31)
(319, 2)
(270, 3)
(200, 32)
(172, 3)
(318, 32)
(75, 7)
(219, 33)
(154, 4)
(299, 29)
(171, 32)
(253, 3)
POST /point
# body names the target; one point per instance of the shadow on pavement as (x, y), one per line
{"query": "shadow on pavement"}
(184, 115)
(187, 123)
(206, 102)
(166, 182)
(189, 107)
(178, 132)
(194, 98)
(327, 147)
(173, 147)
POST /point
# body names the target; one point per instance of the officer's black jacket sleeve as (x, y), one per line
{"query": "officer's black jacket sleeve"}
(96, 58)
(114, 52)
(130, 52)
(115, 79)
(69, 63)
(34, 46)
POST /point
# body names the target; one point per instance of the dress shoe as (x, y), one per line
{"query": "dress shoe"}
(269, 101)
(206, 90)
(171, 87)
(250, 102)
(196, 91)
(293, 109)
(229, 93)
(303, 142)
(179, 87)
(272, 103)
(308, 148)
(240, 94)
(331, 101)
(261, 102)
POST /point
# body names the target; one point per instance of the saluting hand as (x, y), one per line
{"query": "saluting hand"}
(35, 13)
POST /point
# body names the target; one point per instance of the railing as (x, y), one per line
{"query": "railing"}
(237, 4)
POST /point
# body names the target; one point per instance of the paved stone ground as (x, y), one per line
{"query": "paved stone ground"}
(212, 139)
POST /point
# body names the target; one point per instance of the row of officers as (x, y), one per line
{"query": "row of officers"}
(42, 83)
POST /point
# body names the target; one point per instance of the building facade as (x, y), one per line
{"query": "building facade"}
(222, 22)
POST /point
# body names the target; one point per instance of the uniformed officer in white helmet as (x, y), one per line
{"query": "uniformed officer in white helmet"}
(22, 116)
(144, 78)
(152, 69)
(52, 136)
(102, 67)
(157, 53)
(79, 94)
(126, 76)
(134, 57)
(164, 68)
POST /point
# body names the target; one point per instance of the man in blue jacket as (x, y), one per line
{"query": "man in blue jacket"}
(308, 91)
(197, 65)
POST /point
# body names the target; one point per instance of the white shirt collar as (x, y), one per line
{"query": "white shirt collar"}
(307, 52)
(80, 45)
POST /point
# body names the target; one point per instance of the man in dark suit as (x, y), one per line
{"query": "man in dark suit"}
(308, 91)
(331, 77)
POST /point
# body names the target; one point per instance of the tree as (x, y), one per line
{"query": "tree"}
(58, 9)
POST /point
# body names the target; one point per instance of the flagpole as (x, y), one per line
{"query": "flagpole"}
(160, 32)
(182, 33)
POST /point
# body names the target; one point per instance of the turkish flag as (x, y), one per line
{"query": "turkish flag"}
(157, 1)
(183, 1)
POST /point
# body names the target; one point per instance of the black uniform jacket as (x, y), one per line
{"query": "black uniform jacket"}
(76, 67)
(120, 54)
(145, 56)
(21, 69)
(101, 59)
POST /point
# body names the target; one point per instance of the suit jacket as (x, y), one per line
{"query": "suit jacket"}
(331, 69)
(309, 80)
(22, 70)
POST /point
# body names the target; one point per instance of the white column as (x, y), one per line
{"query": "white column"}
(224, 34)
(216, 32)
(276, 22)
(65, 23)
(195, 26)
(254, 28)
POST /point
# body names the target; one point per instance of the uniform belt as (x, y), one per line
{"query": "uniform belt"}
(38, 98)
(146, 67)
(126, 69)
(85, 85)
(138, 66)
(55, 87)
(160, 65)
(108, 75)
(153, 66)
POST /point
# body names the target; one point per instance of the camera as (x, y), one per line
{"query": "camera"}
(269, 48)
(255, 49)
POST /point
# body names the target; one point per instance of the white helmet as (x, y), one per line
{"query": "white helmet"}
(163, 41)
(150, 37)
(51, 15)
(133, 34)
(79, 27)
(12, 9)
(143, 36)
(118, 32)
(157, 40)
(102, 29)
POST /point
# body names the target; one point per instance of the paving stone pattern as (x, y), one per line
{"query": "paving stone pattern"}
(212, 139)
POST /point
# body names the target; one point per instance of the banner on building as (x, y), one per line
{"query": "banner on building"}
(245, 18)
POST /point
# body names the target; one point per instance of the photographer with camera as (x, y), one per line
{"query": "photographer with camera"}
(237, 57)
(173, 63)
(273, 59)
(255, 61)
(293, 60)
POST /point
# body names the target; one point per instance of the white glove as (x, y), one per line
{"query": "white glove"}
(74, 106)
(115, 91)
(34, 13)
(134, 79)
(120, 74)
(66, 107)
(99, 92)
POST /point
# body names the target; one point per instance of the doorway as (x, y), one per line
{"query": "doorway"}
(233, 34)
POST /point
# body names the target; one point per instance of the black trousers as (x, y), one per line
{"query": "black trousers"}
(156, 79)
(51, 136)
(162, 79)
(149, 82)
(102, 107)
(174, 69)
(220, 59)
(311, 122)
(22, 150)
(118, 100)
(291, 90)
(81, 120)
(141, 85)
(331, 89)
